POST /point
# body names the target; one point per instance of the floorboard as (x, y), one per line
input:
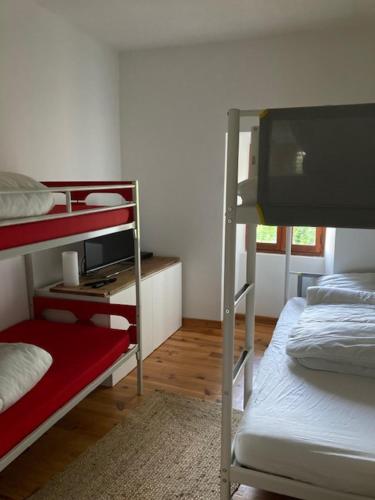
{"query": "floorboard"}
(189, 363)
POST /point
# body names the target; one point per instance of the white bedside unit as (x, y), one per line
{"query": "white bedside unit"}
(161, 312)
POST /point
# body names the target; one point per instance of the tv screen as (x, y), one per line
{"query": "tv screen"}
(110, 249)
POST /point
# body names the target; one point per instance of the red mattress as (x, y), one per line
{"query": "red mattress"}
(80, 354)
(36, 232)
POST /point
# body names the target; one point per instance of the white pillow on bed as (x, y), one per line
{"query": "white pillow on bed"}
(13, 206)
(330, 295)
(21, 368)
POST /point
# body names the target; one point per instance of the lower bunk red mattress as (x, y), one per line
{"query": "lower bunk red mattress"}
(80, 354)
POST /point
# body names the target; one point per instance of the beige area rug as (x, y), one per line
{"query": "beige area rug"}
(167, 448)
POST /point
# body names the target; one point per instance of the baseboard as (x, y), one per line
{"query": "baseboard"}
(210, 323)
(265, 320)
(200, 323)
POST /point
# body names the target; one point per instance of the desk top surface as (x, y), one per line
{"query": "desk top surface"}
(125, 277)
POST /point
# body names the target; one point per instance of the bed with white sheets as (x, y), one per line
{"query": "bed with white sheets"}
(313, 426)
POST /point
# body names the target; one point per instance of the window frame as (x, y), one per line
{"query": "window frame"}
(278, 247)
(316, 250)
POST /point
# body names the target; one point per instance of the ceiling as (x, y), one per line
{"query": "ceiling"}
(134, 24)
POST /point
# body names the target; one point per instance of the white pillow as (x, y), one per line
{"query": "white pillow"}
(21, 368)
(13, 206)
(329, 295)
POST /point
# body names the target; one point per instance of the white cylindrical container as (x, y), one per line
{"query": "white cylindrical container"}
(70, 268)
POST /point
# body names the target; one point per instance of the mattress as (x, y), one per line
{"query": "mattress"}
(80, 354)
(312, 426)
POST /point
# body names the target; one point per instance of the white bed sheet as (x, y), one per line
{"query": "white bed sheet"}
(316, 427)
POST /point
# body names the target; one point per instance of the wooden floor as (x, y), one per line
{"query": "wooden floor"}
(188, 363)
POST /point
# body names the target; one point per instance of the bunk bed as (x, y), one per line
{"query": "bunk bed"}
(304, 433)
(84, 355)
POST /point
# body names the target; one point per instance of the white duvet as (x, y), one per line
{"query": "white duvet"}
(336, 332)
(21, 367)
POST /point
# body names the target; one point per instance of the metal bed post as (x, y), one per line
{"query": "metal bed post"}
(137, 266)
(288, 253)
(229, 298)
(29, 268)
(233, 299)
(251, 236)
(30, 284)
(68, 201)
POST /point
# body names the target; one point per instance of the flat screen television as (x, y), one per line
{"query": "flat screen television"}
(110, 249)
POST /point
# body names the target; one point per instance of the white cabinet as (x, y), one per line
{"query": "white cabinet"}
(127, 296)
(166, 304)
(161, 312)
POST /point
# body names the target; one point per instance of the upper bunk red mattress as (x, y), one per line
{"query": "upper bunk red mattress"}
(80, 354)
(36, 232)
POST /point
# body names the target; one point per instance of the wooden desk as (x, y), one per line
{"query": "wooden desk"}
(124, 279)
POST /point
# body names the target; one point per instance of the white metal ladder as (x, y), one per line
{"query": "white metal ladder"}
(233, 299)
(243, 214)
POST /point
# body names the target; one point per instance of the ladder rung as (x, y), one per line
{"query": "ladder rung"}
(242, 293)
(240, 364)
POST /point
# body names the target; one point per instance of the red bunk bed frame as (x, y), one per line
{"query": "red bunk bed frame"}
(84, 355)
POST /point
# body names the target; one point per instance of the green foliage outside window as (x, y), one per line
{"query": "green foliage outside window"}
(266, 234)
(301, 235)
(304, 236)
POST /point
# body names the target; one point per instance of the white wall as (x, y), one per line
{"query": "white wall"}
(173, 111)
(354, 250)
(269, 278)
(59, 113)
(329, 250)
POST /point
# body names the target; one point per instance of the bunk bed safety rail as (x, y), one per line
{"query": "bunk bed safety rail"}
(63, 188)
(85, 310)
(77, 192)
(80, 189)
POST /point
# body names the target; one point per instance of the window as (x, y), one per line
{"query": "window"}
(305, 240)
